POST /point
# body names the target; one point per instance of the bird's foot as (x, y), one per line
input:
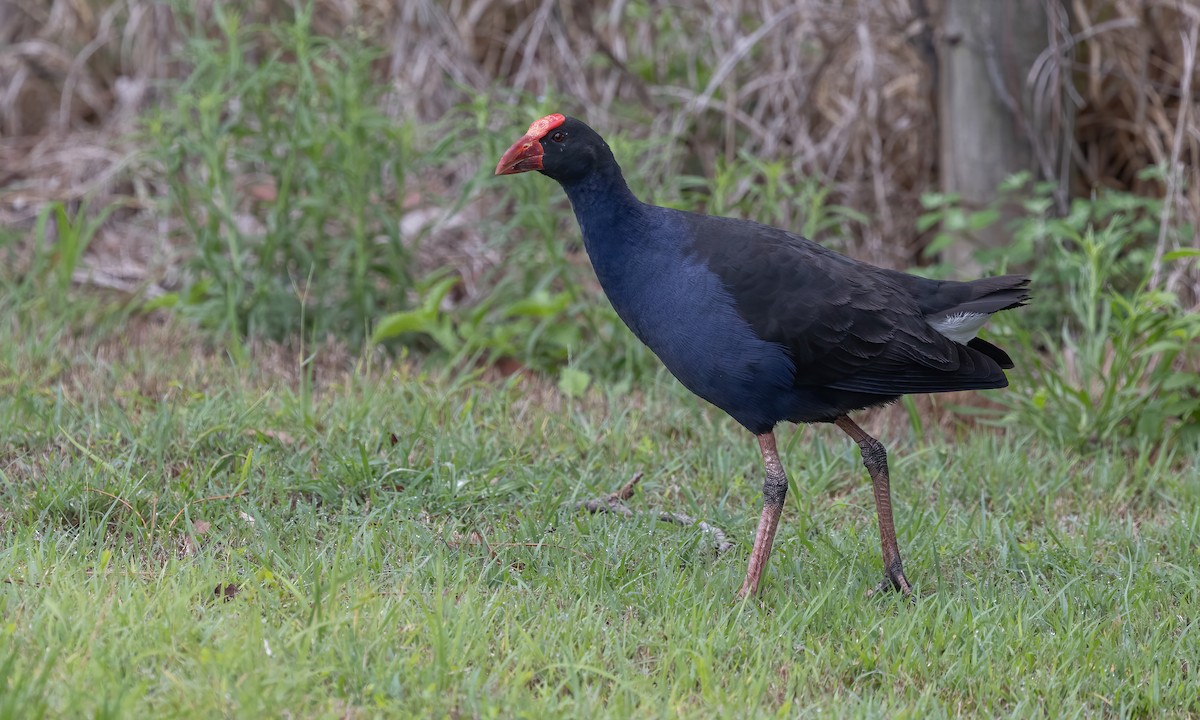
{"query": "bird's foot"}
(749, 588)
(893, 581)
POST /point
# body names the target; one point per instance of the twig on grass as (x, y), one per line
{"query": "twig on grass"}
(121, 500)
(187, 505)
(476, 538)
(580, 553)
(615, 503)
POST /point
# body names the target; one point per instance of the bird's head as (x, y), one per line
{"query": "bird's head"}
(558, 146)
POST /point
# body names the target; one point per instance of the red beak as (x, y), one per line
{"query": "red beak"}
(523, 156)
(526, 153)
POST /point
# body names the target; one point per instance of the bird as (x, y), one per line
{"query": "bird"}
(769, 326)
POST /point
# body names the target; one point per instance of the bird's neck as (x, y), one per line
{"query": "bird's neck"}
(603, 205)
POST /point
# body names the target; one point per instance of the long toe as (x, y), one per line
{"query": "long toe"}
(893, 581)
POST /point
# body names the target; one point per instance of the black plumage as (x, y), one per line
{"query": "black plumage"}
(848, 325)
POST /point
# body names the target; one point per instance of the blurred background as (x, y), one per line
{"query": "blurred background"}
(280, 172)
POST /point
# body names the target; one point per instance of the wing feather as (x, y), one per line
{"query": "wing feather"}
(847, 325)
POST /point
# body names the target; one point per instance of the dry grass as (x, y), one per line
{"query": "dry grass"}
(841, 91)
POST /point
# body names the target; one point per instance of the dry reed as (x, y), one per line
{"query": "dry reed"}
(843, 91)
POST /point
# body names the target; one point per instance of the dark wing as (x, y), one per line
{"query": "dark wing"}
(847, 325)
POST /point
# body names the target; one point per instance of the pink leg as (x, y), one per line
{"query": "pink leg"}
(774, 491)
(875, 460)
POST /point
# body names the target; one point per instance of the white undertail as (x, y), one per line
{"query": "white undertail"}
(960, 327)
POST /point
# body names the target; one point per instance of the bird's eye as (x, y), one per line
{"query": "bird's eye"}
(559, 136)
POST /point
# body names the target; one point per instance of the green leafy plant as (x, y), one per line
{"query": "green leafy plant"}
(427, 319)
(1107, 356)
(770, 192)
(944, 211)
(73, 232)
(61, 235)
(288, 177)
(1123, 365)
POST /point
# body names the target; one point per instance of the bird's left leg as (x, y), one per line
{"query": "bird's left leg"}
(875, 459)
(775, 487)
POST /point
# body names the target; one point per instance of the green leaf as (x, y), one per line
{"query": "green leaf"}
(443, 334)
(928, 220)
(199, 291)
(1181, 254)
(1160, 347)
(1014, 182)
(166, 300)
(930, 201)
(955, 219)
(1182, 381)
(938, 244)
(437, 292)
(540, 305)
(983, 218)
(402, 322)
(572, 382)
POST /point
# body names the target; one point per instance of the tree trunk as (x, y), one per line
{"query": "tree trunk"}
(989, 129)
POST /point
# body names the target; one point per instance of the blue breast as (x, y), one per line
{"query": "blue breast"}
(679, 308)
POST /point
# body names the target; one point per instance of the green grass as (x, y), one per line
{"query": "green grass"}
(190, 529)
(404, 544)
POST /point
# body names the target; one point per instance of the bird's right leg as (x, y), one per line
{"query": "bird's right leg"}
(875, 459)
(775, 487)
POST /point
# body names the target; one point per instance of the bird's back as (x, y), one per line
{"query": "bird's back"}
(852, 327)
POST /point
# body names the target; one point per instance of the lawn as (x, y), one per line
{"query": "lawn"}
(312, 533)
(203, 515)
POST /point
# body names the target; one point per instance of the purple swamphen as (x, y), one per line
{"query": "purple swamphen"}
(767, 325)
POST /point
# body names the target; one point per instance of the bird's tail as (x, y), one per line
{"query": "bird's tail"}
(962, 318)
(993, 294)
